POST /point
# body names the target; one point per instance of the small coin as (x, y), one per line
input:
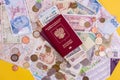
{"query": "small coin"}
(102, 20)
(14, 57)
(58, 62)
(27, 58)
(39, 65)
(38, 5)
(14, 67)
(99, 35)
(51, 72)
(34, 57)
(59, 75)
(44, 67)
(73, 5)
(48, 49)
(25, 39)
(85, 78)
(46, 78)
(36, 34)
(26, 65)
(102, 53)
(98, 40)
(101, 48)
(97, 52)
(56, 67)
(94, 30)
(35, 9)
(87, 24)
(15, 50)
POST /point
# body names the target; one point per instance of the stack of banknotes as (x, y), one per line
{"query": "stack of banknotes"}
(21, 22)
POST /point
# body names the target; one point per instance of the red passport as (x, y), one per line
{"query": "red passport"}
(61, 36)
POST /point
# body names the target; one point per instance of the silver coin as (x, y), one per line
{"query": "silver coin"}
(51, 72)
(46, 78)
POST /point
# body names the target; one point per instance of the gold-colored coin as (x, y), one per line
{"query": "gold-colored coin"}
(35, 9)
(97, 53)
(59, 75)
(87, 24)
(56, 67)
(58, 63)
(14, 67)
(73, 5)
(102, 20)
(48, 49)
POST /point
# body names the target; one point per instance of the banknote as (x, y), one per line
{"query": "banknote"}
(72, 7)
(81, 23)
(98, 70)
(86, 39)
(48, 15)
(44, 4)
(91, 4)
(7, 36)
(18, 17)
(113, 63)
(109, 25)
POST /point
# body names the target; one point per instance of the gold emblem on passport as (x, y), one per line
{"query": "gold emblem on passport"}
(59, 33)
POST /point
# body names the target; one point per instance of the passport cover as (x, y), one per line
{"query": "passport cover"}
(61, 36)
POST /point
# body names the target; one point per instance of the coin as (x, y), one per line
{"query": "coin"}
(85, 78)
(87, 24)
(46, 78)
(48, 49)
(59, 75)
(94, 30)
(97, 52)
(98, 35)
(14, 67)
(15, 50)
(36, 34)
(102, 53)
(73, 5)
(58, 62)
(34, 57)
(38, 5)
(56, 67)
(25, 39)
(101, 48)
(35, 9)
(26, 65)
(51, 72)
(14, 57)
(102, 20)
(98, 40)
(39, 65)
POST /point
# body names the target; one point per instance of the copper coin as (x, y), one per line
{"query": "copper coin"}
(46, 78)
(36, 34)
(14, 67)
(51, 72)
(56, 67)
(15, 50)
(35, 9)
(34, 57)
(102, 20)
(14, 57)
(59, 75)
(85, 78)
(25, 39)
(87, 24)
(73, 5)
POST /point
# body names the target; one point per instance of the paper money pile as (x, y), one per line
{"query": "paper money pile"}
(21, 22)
